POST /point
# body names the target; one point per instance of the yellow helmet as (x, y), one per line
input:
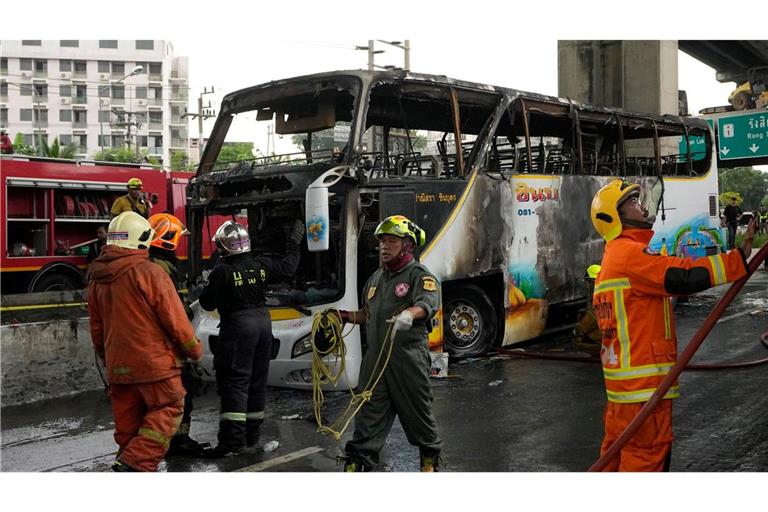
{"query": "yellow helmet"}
(130, 230)
(398, 225)
(605, 207)
(135, 183)
(592, 271)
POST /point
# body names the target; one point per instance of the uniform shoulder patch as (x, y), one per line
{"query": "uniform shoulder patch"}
(371, 292)
(429, 284)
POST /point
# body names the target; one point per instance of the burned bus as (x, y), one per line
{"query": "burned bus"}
(501, 180)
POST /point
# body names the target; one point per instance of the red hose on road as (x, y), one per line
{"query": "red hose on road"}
(679, 366)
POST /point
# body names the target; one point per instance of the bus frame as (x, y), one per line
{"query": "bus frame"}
(502, 182)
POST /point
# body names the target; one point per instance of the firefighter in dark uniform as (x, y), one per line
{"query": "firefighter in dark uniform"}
(237, 288)
(404, 295)
(162, 251)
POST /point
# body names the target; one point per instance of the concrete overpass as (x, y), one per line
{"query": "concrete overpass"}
(641, 76)
(731, 60)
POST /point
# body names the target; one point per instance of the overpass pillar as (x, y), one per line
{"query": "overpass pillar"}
(638, 76)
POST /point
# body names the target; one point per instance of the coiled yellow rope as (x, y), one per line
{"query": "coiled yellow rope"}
(323, 372)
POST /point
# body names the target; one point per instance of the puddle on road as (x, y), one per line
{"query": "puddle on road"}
(46, 430)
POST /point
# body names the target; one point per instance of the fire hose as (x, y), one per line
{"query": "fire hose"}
(682, 361)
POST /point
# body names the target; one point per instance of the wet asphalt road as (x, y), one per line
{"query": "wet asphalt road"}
(496, 413)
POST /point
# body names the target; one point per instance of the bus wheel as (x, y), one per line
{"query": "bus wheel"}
(57, 281)
(469, 321)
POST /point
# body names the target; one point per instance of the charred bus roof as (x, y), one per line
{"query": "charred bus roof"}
(397, 99)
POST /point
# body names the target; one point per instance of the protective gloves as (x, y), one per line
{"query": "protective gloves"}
(297, 232)
(401, 322)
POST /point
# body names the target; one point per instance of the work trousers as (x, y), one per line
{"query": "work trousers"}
(146, 415)
(403, 391)
(651, 446)
(732, 235)
(242, 365)
(190, 381)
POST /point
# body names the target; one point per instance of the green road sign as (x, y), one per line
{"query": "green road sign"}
(743, 136)
(698, 145)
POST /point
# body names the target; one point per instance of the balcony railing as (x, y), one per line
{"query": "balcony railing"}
(154, 102)
(156, 151)
(40, 124)
(178, 120)
(79, 124)
(41, 74)
(179, 96)
(117, 101)
(155, 77)
(79, 74)
(178, 143)
(79, 100)
(154, 126)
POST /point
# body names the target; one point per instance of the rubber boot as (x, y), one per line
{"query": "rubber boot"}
(429, 464)
(122, 467)
(218, 452)
(352, 465)
(252, 432)
(184, 446)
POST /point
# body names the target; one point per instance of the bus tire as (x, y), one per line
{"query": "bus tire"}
(57, 281)
(469, 321)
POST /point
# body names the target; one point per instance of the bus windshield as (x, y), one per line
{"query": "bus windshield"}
(287, 125)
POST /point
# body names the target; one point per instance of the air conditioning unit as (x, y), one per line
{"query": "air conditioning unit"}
(104, 77)
(66, 100)
(104, 102)
(26, 74)
(66, 75)
(141, 103)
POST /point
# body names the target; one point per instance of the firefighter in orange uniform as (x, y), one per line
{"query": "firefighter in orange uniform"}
(634, 311)
(141, 333)
(162, 251)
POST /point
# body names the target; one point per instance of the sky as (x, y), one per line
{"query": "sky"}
(232, 45)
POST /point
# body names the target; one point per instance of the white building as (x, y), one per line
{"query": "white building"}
(82, 92)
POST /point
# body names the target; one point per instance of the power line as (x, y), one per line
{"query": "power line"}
(76, 81)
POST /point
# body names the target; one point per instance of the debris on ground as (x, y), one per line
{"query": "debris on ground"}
(495, 383)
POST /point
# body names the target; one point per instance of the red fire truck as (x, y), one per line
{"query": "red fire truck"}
(51, 208)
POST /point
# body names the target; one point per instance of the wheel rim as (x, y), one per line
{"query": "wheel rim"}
(465, 324)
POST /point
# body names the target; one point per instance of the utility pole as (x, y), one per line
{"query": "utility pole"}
(406, 47)
(203, 112)
(136, 70)
(132, 120)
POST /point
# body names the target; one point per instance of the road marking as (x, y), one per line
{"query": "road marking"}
(261, 466)
(42, 306)
(737, 315)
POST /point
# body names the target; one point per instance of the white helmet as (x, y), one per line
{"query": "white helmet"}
(130, 230)
(232, 238)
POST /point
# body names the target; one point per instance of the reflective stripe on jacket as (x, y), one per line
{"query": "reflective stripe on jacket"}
(634, 311)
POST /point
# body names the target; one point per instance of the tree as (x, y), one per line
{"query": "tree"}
(725, 198)
(56, 150)
(235, 152)
(20, 148)
(180, 161)
(749, 183)
(126, 155)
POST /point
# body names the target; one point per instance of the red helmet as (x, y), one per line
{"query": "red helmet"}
(168, 231)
